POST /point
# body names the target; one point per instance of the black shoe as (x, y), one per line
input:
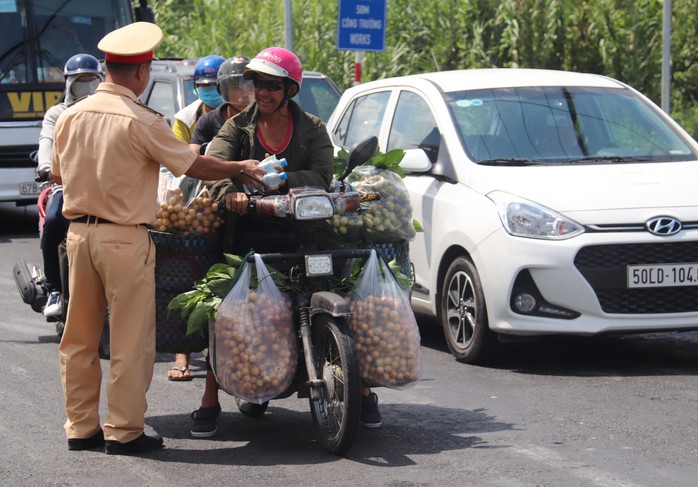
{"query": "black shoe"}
(94, 442)
(143, 443)
(205, 422)
(370, 416)
(251, 409)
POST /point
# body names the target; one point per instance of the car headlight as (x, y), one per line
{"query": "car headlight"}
(313, 208)
(524, 218)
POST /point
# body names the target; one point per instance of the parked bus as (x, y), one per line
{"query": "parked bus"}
(38, 37)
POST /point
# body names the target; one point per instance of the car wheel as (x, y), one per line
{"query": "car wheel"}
(463, 313)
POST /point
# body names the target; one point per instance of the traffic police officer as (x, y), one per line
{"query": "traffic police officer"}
(107, 154)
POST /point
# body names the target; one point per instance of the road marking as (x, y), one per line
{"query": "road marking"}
(572, 467)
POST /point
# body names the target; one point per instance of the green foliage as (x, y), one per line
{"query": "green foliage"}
(617, 38)
(389, 161)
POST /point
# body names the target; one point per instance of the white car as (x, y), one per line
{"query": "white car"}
(552, 202)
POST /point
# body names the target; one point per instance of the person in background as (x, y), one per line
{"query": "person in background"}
(236, 93)
(82, 73)
(108, 150)
(205, 75)
(273, 124)
(205, 72)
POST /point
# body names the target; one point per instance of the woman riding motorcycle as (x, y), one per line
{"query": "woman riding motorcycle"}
(273, 124)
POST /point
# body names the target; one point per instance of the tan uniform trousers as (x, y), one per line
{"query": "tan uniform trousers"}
(110, 265)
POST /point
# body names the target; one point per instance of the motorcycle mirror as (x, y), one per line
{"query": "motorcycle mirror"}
(358, 154)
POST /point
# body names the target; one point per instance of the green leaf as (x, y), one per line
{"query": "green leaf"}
(218, 271)
(219, 287)
(198, 319)
(394, 157)
(181, 300)
(233, 260)
(404, 281)
(417, 226)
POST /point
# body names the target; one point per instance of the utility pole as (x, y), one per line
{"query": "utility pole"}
(288, 25)
(666, 57)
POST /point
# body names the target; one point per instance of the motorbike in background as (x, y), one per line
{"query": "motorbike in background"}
(31, 280)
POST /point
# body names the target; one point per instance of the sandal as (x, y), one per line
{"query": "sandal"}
(185, 373)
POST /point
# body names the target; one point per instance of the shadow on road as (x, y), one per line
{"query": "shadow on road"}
(284, 437)
(648, 354)
(18, 221)
(652, 354)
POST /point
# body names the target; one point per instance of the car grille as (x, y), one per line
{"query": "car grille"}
(604, 267)
(17, 156)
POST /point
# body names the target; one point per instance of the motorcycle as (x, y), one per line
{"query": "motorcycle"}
(327, 370)
(31, 280)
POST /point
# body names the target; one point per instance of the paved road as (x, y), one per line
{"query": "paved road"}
(609, 412)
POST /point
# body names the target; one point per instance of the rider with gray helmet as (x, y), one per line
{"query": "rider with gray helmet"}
(236, 93)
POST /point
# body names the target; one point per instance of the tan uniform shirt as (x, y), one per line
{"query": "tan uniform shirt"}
(110, 162)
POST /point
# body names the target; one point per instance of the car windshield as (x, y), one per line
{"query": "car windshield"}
(553, 125)
(317, 97)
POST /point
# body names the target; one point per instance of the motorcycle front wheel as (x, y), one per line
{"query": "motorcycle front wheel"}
(336, 413)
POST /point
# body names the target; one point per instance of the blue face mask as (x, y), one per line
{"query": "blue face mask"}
(210, 96)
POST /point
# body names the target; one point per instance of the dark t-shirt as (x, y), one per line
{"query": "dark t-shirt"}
(208, 125)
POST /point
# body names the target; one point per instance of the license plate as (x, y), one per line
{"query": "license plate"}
(29, 188)
(663, 275)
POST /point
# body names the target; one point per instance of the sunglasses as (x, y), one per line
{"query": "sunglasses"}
(269, 85)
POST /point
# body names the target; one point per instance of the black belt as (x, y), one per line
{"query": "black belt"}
(90, 219)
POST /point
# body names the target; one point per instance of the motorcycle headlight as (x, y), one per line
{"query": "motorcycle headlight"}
(313, 208)
(524, 218)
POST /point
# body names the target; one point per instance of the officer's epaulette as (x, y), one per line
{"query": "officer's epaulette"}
(149, 109)
(76, 101)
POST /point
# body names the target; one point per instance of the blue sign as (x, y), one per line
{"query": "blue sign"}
(361, 25)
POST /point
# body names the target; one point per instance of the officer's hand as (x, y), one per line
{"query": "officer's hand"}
(236, 203)
(251, 176)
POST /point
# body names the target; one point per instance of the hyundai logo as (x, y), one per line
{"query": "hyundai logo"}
(663, 226)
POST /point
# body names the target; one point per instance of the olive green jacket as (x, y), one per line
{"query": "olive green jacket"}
(311, 149)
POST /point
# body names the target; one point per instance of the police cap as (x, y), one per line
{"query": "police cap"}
(131, 44)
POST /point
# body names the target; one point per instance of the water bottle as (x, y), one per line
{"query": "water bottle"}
(273, 179)
(271, 161)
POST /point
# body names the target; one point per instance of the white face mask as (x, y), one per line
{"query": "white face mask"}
(82, 88)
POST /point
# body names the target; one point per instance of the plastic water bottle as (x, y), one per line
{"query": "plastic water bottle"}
(273, 179)
(271, 161)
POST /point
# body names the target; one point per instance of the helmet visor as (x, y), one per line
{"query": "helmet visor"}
(236, 90)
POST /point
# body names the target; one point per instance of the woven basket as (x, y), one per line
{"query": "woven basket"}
(400, 251)
(180, 262)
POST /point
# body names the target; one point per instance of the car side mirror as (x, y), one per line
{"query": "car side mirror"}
(415, 161)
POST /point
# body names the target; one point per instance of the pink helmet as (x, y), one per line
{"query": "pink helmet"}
(276, 61)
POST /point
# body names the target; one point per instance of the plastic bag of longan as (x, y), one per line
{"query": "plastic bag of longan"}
(385, 330)
(388, 219)
(252, 339)
(185, 207)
